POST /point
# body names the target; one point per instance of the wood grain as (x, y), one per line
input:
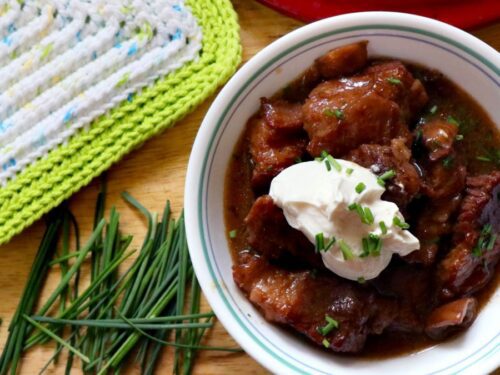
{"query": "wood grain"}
(152, 174)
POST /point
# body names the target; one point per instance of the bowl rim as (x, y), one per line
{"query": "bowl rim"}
(202, 147)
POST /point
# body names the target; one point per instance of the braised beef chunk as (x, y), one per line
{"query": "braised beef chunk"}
(433, 222)
(373, 107)
(480, 206)
(443, 178)
(282, 116)
(470, 265)
(380, 159)
(451, 317)
(438, 137)
(273, 149)
(303, 300)
(391, 80)
(410, 286)
(344, 60)
(443, 168)
(270, 235)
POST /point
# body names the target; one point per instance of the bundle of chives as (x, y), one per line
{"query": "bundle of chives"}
(114, 315)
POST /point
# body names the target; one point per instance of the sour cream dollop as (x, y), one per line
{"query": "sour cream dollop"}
(319, 201)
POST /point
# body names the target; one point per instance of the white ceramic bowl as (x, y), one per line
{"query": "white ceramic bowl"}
(467, 61)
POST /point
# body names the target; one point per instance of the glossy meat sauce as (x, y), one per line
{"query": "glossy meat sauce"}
(383, 115)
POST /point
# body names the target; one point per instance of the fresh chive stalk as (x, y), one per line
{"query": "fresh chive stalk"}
(114, 314)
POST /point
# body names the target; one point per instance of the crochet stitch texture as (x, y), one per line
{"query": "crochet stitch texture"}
(46, 182)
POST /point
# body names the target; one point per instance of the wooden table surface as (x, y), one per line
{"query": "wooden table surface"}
(152, 174)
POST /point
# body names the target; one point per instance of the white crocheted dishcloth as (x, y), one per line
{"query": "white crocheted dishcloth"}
(63, 63)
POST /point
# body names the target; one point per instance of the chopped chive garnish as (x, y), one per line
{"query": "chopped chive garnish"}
(360, 187)
(369, 216)
(394, 81)
(326, 343)
(366, 247)
(491, 242)
(328, 112)
(486, 241)
(346, 250)
(419, 135)
(323, 155)
(330, 244)
(365, 214)
(233, 233)
(361, 213)
(328, 167)
(349, 171)
(400, 223)
(330, 325)
(459, 137)
(320, 242)
(386, 176)
(483, 158)
(372, 245)
(433, 109)
(448, 162)
(453, 121)
(375, 244)
(383, 227)
(334, 163)
(334, 113)
(361, 280)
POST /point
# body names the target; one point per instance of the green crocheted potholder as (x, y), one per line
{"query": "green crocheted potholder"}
(52, 179)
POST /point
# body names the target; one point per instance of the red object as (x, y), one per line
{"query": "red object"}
(465, 14)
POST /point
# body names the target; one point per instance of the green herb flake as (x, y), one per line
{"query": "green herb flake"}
(331, 324)
(339, 114)
(320, 242)
(433, 109)
(394, 81)
(365, 214)
(365, 244)
(483, 158)
(360, 188)
(334, 163)
(369, 216)
(298, 160)
(452, 120)
(361, 280)
(491, 242)
(349, 171)
(383, 227)
(328, 112)
(418, 136)
(448, 161)
(233, 233)
(486, 241)
(326, 343)
(334, 113)
(374, 244)
(346, 250)
(400, 223)
(386, 176)
(330, 244)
